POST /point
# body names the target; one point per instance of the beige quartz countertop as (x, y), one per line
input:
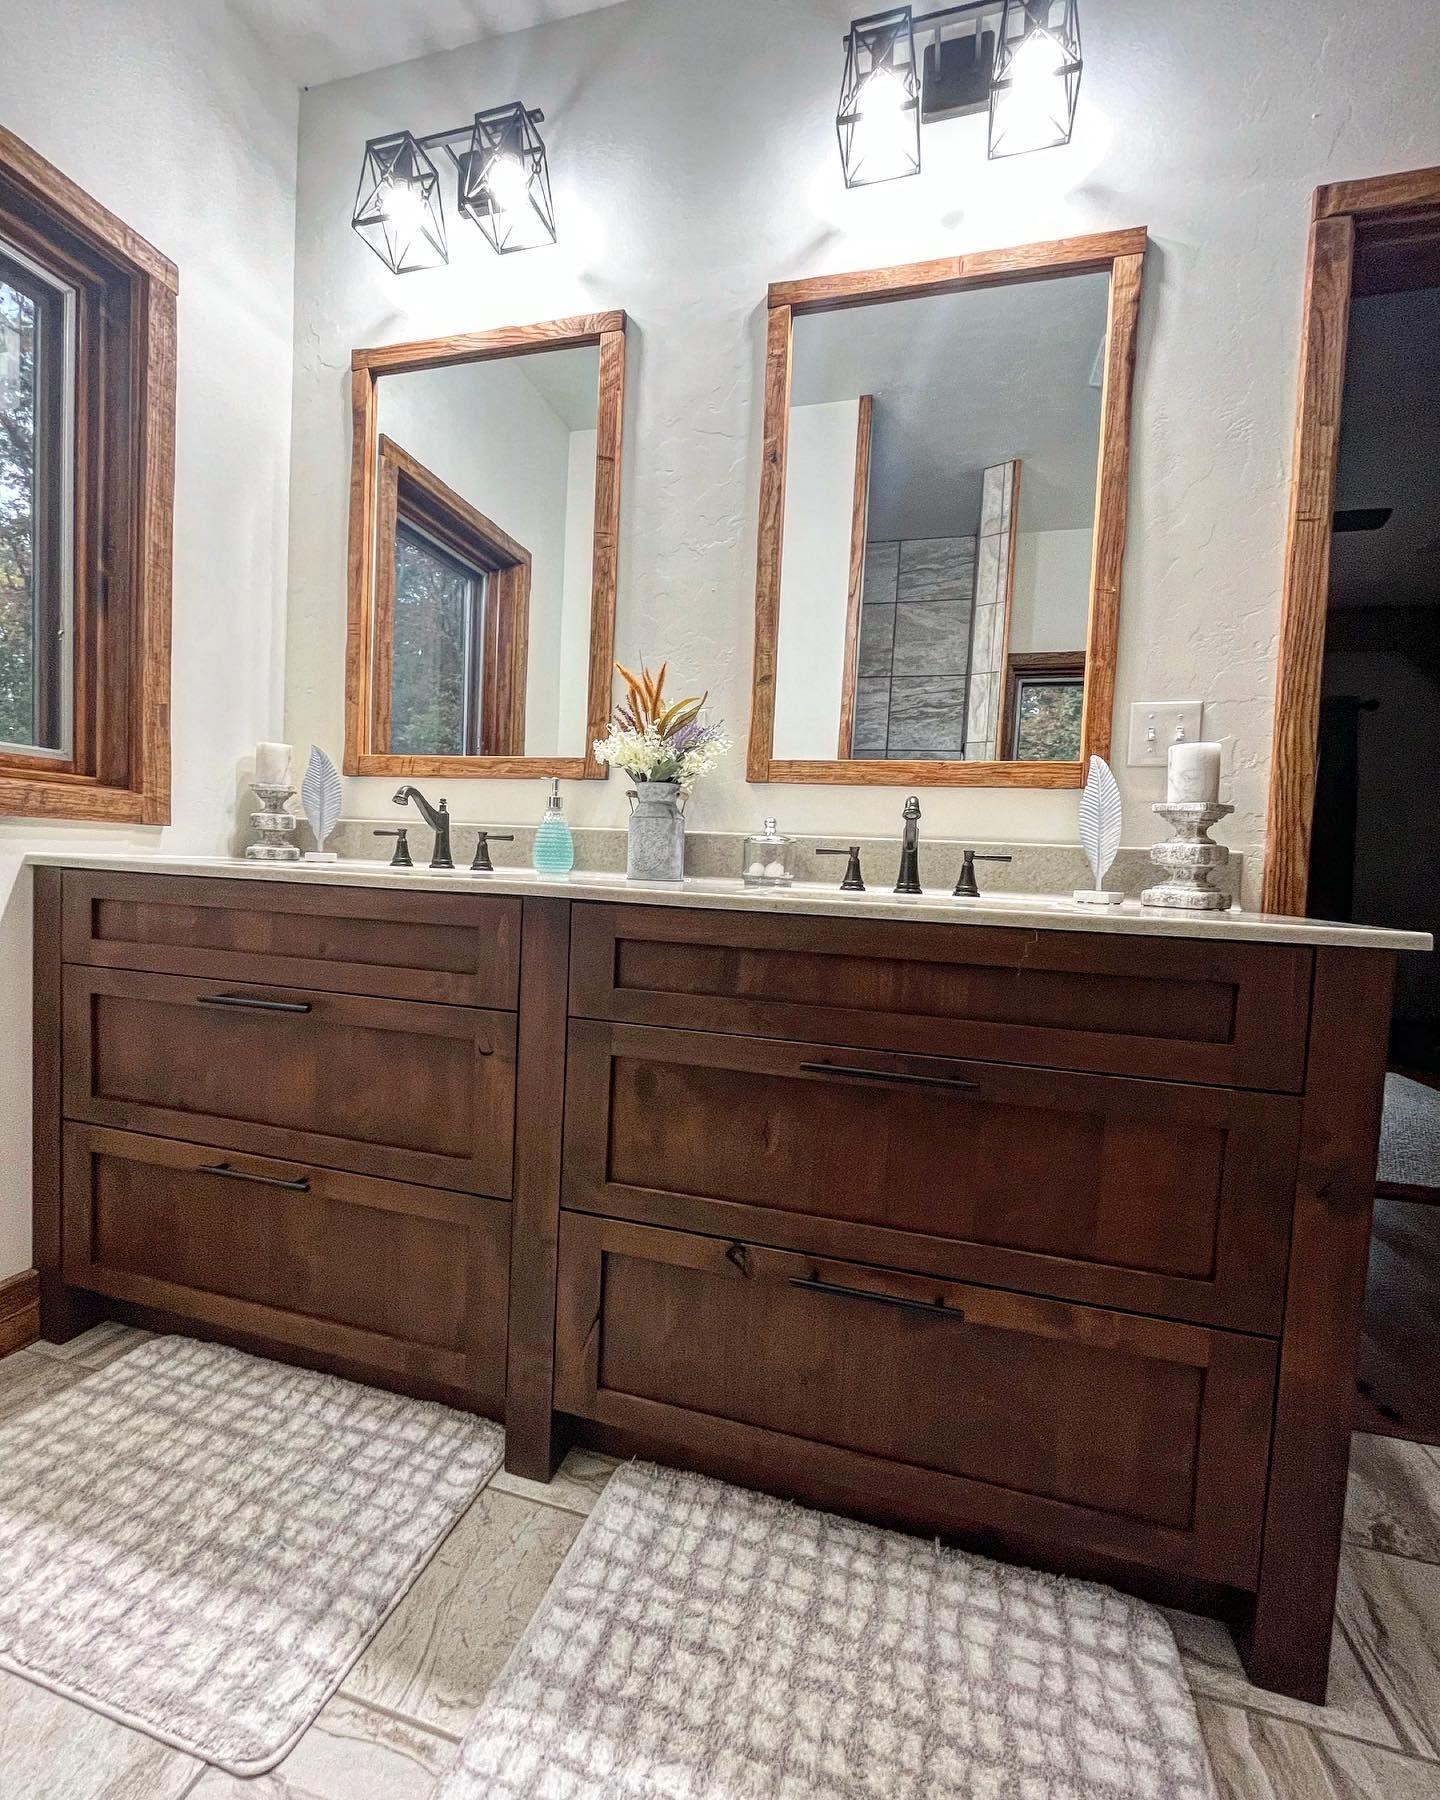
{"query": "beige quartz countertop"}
(1040, 912)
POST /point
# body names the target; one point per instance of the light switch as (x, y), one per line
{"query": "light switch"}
(1157, 724)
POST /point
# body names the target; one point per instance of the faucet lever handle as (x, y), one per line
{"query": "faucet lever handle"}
(854, 882)
(482, 864)
(967, 888)
(402, 858)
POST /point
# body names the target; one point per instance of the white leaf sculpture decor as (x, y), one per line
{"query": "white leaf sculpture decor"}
(1100, 828)
(320, 795)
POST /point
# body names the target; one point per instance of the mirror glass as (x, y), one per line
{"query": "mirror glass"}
(939, 516)
(483, 547)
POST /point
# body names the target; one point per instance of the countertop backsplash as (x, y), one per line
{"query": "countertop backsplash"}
(1034, 868)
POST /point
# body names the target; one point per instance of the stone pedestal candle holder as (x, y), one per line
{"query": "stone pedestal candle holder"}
(1189, 858)
(274, 824)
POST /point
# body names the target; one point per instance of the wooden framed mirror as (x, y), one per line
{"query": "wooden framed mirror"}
(942, 518)
(484, 521)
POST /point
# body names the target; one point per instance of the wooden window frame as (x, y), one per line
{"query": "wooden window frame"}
(118, 768)
(411, 494)
(1020, 665)
(1340, 212)
(363, 755)
(1120, 254)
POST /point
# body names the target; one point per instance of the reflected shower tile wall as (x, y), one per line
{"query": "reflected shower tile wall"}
(932, 639)
(936, 569)
(872, 718)
(927, 717)
(882, 568)
(914, 635)
(877, 640)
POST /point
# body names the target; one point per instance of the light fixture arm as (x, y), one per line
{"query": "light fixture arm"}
(967, 9)
(457, 132)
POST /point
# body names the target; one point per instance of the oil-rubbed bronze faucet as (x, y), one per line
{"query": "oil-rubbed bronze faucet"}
(908, 880)
(438, 819)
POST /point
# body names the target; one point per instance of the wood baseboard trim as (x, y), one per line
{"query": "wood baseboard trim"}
(19, 1311)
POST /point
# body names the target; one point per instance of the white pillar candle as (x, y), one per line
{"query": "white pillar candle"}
(1193, 772)
(272, 764)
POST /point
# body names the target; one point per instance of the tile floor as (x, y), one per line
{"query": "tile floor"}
(394, 1725)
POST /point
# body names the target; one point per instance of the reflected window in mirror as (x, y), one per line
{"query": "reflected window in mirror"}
(949, 450)
(1046, 694)
(452, 619)
(482, 560)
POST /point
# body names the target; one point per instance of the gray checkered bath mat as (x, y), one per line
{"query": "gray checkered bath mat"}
(1410, 1136)
(200, 1543)
(705, 1643)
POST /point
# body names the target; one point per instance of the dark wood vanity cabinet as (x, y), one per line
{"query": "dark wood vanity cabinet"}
(1051, 1242)
(288, 1117)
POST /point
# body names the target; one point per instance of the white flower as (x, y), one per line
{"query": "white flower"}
(646, 756)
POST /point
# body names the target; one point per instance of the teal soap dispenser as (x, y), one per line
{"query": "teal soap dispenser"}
(554, 846)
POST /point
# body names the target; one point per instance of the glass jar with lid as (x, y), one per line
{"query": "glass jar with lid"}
(769, 859)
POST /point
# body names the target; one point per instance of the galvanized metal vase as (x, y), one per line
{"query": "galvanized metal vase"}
(657, 833)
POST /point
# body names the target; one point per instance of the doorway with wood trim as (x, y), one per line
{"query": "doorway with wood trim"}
(1354, 816)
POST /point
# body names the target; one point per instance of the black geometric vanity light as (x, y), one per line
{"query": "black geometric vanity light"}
(1037, 76)
(878, 119)
(397, 205)
(502, 185)
(1017, 59)
(505, 179)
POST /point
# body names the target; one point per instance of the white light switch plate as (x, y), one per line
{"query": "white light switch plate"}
(1157, 724)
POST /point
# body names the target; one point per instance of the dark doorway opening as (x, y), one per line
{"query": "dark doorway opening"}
(1375, 836)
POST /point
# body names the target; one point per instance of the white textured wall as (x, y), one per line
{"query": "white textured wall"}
(1050, 609)
(815, 577)
(175, 119)
(694, 160)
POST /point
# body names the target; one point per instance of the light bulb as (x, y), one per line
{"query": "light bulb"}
(508, 183)
(1032, 109)
(883, 96)
(1038, 57)
(404, 208)
(884, 144)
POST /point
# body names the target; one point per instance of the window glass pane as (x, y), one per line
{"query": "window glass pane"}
(19, 509)
(1047, 727)
(35, 483)
(439, 606)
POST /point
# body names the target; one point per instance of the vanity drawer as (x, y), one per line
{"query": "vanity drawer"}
(448, 948)
(405, 1280)
(847, 1385)
(1152, 1196)
(385, 1087)
(1179, 1009)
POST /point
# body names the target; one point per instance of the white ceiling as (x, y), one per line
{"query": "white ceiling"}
(324, 40)
(962, 381)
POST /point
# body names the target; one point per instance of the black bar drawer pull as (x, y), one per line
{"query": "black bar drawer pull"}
(301, 1186)
(930, 1081)
(933, 1309)
(247, 1004)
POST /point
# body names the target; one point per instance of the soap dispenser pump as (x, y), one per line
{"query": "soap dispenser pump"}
(554, 845)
